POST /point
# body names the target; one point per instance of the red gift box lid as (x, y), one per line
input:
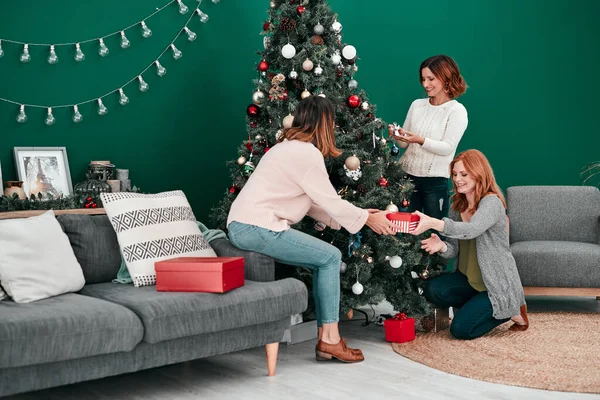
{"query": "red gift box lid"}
(403, 216)
(187, 264)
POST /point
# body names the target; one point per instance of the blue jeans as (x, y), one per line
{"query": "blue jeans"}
(296, 248)
(431, 196)
(474, 319)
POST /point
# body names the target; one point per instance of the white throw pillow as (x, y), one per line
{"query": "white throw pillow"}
(36, 259)
(154, 227)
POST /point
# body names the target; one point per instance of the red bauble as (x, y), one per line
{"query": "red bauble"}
(87, 205)
(253, 124)
(94, 205)
(266, 26)
(249, 146)
(253, 111)
(383, 182)
(267, 149)
(405, 203)
(300, 10)
(88, 199)
(339, 73)
(263, 66)
(285, 95)
(353, 101)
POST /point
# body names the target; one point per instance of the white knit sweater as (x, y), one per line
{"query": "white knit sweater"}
(442, 127)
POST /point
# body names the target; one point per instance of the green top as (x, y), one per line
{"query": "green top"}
(468, 264)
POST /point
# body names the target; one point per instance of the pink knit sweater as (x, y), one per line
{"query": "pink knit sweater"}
(290, 182)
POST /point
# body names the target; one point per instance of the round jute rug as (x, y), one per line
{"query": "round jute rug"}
(559, 351)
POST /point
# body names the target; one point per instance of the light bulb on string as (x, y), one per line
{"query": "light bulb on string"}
(103, 51)
(123, 99)
(25, 57)
(124, 41)
(1, 51)
(79, 56)
(146, 32)
(22, 117)
(176, 52)
(160, 70)
(215, 1)
(203, 16)
(143, 85)
(102, 110)
(77, 117)
(183, 9)
(52, 58)
(50, 118)
(190, 34)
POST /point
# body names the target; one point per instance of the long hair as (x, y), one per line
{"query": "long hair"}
(478, 166)
(314, 122)
(445, 69)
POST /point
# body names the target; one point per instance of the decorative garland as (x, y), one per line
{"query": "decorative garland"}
(14, 203)
(104, 51)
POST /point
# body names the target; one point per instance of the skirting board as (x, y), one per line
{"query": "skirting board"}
(300, 333)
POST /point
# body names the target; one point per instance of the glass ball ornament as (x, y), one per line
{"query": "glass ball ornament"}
(349, 52)
(392, 207)
(353, 101)
(352, 163)
(383, 141)
(258, 97)
(318, 70)
(263, 66)
(293, 74)
(272, 4)
(357, 288)
(336, 59)
(336, 26)
(352, 84)
(318, 29)
(370, 260)
(253, 111)
(307, 65)
(395, 261)
(288, 51)
(424, 274)
(305, 93)
(364, 105)
(287, 121)
(343, 267)
(394, 150)
(241, 160)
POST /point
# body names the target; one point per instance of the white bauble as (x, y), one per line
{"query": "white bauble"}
(305, 94)
(357, 288)
(287, 121)
(288, 51)
(318, 70)
(318, 29)
(258, 97)
(352, 84)
(364, 105)
(336, 59)
(349, 52)
(396, 261)
(336, 27)
(321, 94)
(293, 74)
(278, 134)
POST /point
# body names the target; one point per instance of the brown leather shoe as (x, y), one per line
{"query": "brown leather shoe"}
(518, 327)
(355, 351)
(340, 351)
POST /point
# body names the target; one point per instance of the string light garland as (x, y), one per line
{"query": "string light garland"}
(104, 51)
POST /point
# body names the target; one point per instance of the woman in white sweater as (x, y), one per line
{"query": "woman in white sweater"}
(431, 133)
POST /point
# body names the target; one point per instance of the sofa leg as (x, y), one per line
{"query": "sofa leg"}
(272, 350)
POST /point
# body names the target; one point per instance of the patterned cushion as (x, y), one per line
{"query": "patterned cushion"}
(154, 227)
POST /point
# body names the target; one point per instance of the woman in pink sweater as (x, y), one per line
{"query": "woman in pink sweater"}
(291, 181)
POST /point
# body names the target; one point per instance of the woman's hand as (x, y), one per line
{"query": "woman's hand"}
(426, 222)
(379, 223)
(434, 244)
(409, 137)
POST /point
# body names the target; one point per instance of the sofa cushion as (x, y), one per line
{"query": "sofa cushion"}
(95, 245)
(558, 264)
(563, 213)
(64, 327)
(171, 315)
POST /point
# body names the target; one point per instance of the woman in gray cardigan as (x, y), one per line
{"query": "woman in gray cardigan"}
(486, 287)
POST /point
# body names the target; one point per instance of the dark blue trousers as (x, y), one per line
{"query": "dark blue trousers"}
(431, 196)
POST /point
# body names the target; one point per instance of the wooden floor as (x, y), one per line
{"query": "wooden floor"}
(242, 375)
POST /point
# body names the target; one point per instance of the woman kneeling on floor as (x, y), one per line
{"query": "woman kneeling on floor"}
(486, 288)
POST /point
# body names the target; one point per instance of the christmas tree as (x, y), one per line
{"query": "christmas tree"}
(304, 55)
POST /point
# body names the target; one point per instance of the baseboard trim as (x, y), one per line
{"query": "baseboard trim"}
(561, 291)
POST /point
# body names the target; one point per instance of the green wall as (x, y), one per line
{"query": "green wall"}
(530, 66)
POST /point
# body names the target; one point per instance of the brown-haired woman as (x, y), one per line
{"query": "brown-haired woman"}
(291, 181)
(431, 133)
(486, 287)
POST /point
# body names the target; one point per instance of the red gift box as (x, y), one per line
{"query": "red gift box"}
(399, 330)
(199, 274)
(405, 222)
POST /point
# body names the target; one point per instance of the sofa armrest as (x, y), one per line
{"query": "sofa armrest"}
(257, 267)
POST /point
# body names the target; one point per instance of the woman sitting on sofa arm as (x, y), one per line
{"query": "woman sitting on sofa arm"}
(486, 287)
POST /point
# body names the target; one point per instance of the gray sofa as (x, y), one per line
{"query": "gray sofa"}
(108, 329)
(555, 238)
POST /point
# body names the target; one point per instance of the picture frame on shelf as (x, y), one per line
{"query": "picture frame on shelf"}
(44, 170)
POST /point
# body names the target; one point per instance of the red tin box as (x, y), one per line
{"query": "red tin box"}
(199, 274)
(406, 222)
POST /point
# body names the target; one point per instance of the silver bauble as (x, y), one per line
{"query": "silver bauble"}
(357, 288)
(343, 267)
(258, 97)
(392, 207)
(319, 29)
(318, 70)
(353, 84)
(293, 74)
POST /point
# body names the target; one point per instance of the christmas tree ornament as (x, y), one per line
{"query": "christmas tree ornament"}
(77, 117)
(318, 29)
(357, 288)
(273, 4)
(364, 105)
(424, 274)
(25, 56)
(263, 66)
(102, 50)
(287, 121)
(146, 32)
(305, 93)
(79, 56)
(232, 189)
(160, 70)
(383, 141)
(266, 25)
(287, 24)
(350, 314)
(293, 74)
(123, 99)
(300, 10)
(278, 134)
(1, 51)
(414, 275)
(353, 174)
(202, 16)
(50, 118)
(258, 137)
(183, 9)
(248, 168)
(352, 163)
(352, 84)
(395, 261)
(317, 40)
(383, 182)
(319, 226)
(336, 26)
(339, 73)
(321, 94)
(124, 41)
(405, 203)
(22, 117)
(52, 57)
(349, 52)
(318, 70)
(370, 260)
(288, 51)
(336, 59)
(420, 291)
(307, 65)
(241, 160)
(102, 110)
(143, 85)
(343, 267)
(253, 111)
(392, 207)
(177, 54)
(258, 97)
(394, 150)
(249, 145)
(253, 124)
(353, 101)
(191, 35)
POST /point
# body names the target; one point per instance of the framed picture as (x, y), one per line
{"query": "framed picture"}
(44, 170)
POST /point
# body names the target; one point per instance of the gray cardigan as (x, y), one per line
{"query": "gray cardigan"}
(488, 227)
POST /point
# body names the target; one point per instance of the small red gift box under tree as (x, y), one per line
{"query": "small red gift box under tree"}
(399, 329)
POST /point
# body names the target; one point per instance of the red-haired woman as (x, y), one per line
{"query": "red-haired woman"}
(431, 133)
(486, 287)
